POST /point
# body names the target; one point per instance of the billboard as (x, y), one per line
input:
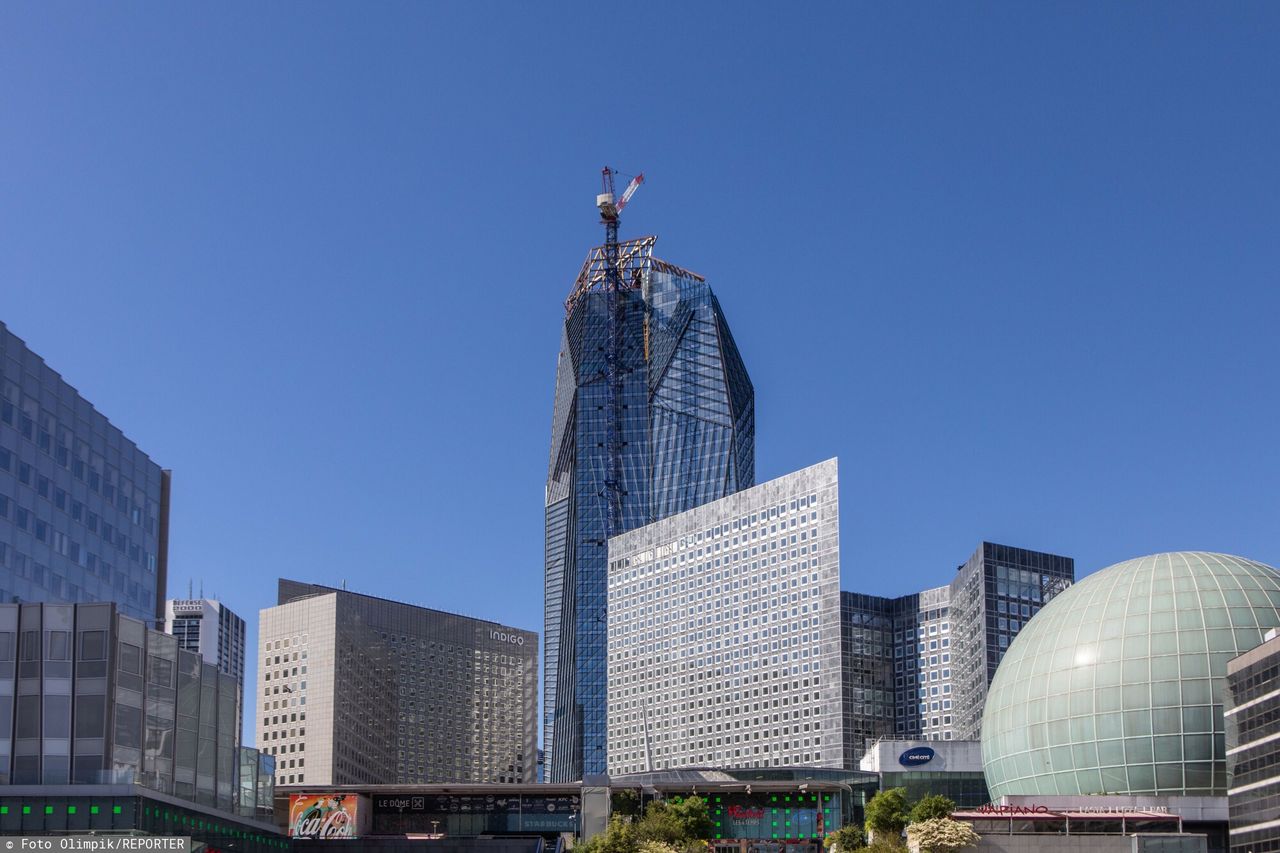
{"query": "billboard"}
(327, 816)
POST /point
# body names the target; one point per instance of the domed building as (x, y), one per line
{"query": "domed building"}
(1116, 686)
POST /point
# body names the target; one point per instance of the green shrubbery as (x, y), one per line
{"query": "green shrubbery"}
(674, 826)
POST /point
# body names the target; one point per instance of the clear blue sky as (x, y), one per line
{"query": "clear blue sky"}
(1015, 264)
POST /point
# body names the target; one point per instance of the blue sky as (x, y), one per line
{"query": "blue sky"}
(1015, 264)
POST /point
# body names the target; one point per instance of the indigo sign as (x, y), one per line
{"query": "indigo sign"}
(916, 756)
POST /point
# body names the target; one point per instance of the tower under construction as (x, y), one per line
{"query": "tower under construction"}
(654, 414)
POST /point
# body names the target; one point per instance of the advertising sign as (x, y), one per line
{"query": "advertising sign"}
(324, 816)
(916, 756)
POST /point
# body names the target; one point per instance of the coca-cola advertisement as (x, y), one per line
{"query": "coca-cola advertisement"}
(325, 816)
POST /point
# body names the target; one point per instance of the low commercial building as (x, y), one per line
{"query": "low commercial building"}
(133, 810)
(952, 768)
(755, 810)
(1040, 828)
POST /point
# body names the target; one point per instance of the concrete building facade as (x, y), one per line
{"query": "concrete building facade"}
(725, 633)
(354, 689)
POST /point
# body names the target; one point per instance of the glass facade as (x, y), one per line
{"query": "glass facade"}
(867, 644)
(93, 697)
(83, 512)
(1253, 749)
(918, 666)
(724, 632)
(1117, 686)
(992, 597)
(687, 436)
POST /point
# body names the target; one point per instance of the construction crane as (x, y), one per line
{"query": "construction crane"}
(616, 306)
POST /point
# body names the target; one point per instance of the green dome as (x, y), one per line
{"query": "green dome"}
(1116, 686)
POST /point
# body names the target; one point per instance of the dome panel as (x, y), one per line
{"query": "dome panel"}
(1116, 685)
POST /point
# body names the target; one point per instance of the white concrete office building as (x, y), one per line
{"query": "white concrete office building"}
(725, 634)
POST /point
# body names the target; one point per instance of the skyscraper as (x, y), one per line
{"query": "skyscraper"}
(84, 514)
(654, 414)
(210, 628)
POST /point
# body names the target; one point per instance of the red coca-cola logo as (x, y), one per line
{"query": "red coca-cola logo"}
(333, 825)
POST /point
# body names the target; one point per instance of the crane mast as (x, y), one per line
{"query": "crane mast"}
(616, 307)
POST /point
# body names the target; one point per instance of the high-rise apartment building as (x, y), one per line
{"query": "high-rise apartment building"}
(84, 513)
(210, 628)
(354, 689)
(654, 415)
(724, 634)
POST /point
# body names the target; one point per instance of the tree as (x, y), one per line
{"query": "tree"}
(693, 816)
(887, 812)
(655, 847)
(846, 839)
(932, 806)
(626, 802)
(675, 826)
(618, 837)
(660, 825)
(941, 835)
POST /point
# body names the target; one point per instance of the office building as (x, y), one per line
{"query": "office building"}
(84, 513)
(922, 655)
(724, 635)
(354, 690)
(210, 629)
(1117, 687)
(994, 594)
(654, 415)
(96, 698)
(908, 658)
(867, 647)
(1253, 749)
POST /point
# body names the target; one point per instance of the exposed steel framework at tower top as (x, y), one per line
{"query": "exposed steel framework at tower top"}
(634, 257)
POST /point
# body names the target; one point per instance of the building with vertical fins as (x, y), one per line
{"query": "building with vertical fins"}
(84, 513)
(354, 689)
(654, 415)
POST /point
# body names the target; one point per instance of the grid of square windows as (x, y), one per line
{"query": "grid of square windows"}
(724, 634)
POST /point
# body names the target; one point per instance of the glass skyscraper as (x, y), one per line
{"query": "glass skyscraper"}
(84, 514)
(686, 410)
